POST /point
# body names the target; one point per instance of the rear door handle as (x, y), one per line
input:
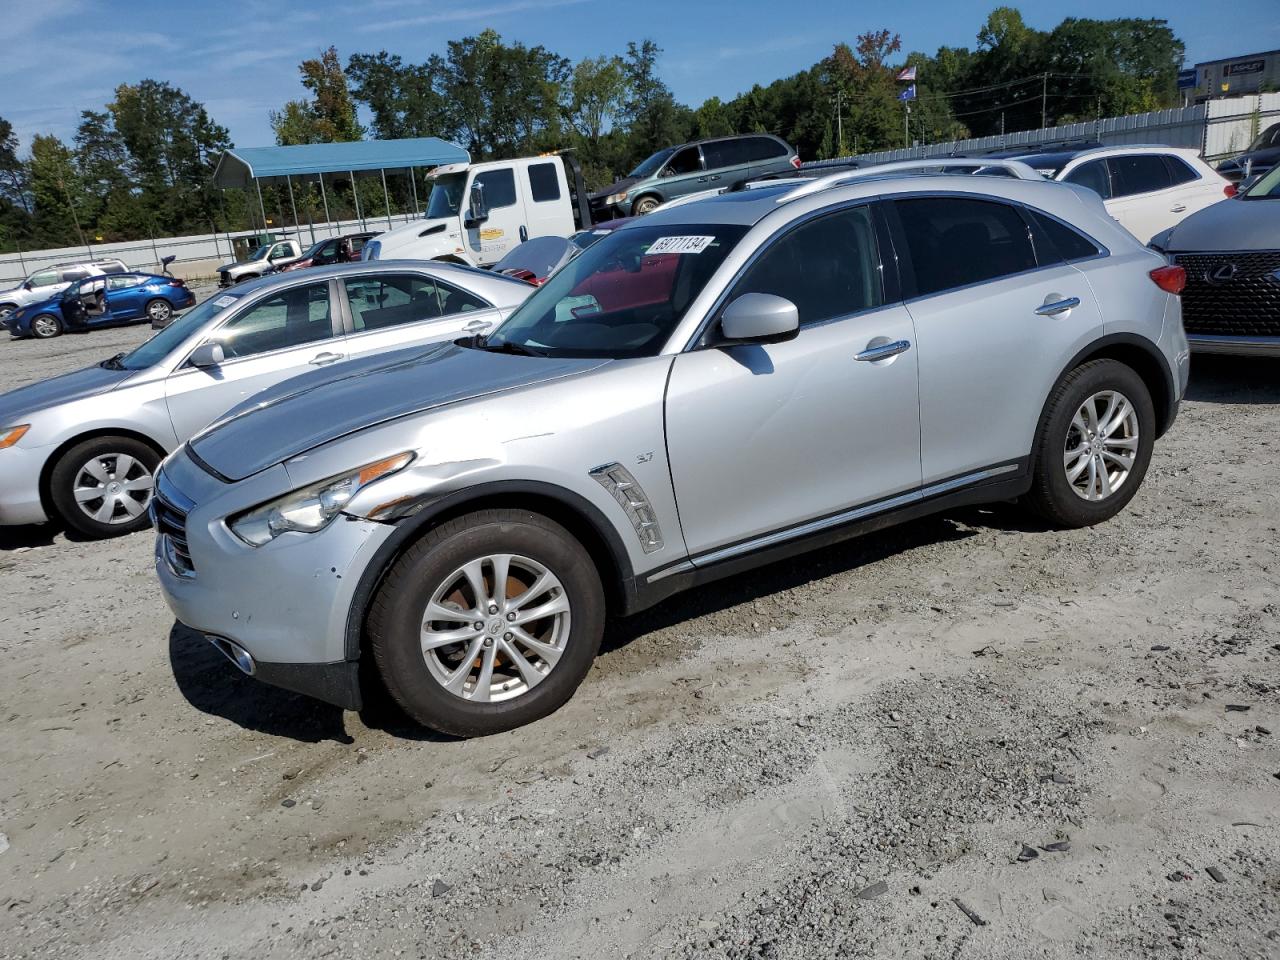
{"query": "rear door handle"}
(884, 351)
(324, 359)
(1057, 307)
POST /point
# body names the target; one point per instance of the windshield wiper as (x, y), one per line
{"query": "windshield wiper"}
(113, 363)
(506, 346)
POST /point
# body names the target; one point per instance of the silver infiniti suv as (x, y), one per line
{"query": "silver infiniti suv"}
(705, 390)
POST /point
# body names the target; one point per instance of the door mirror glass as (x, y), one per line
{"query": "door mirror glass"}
(207, 355)
(478, 210)
(760, 318)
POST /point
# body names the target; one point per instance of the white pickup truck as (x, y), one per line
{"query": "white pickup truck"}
(478, 211)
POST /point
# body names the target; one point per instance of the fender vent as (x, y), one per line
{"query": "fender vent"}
(624, 488)
(438, 228)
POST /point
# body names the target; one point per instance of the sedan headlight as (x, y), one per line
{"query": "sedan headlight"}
(615, 198)
(312, 508)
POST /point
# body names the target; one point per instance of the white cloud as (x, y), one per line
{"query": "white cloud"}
(462, 14)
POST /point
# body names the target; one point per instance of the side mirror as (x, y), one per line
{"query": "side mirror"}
(28, 285)
(760, 318)
(207, 355)
(478, 211)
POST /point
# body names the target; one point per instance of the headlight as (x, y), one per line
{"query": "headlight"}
(615, 198)
(312, 508)
(11, 435)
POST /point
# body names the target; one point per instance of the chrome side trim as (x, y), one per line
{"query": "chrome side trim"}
(684, 566)
(839, 519)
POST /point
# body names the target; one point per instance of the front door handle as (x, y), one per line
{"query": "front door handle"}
(1177, 208)
(324, 359)
(1055, 307)
(884, 351)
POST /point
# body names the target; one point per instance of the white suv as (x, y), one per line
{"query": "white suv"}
(44, 283)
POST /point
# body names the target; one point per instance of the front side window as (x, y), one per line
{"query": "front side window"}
(1138, 173)
(499, 187)
(1092, 175)
(828, 267)
(621, 297)
(650, 165)
(544, 184)
(45, 278)
(686, 161)
(957, 241)
(158, 347)
(290, 318)
(389, 300)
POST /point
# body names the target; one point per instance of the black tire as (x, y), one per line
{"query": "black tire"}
(55, 326)
(396, 618)
(161, 316)
(6, 309)
(62, 483)
(1052, 494)
(645, 205)
(245, 276)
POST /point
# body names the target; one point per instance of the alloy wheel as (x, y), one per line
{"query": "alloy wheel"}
(44, 326)
(159, 310)
(1101, 445)
(495, 628)
(113, 488)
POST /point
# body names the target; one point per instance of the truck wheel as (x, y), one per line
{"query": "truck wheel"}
(645, 205)
(489, 622)
(1093, 446)
(45, 325)
(102, 487)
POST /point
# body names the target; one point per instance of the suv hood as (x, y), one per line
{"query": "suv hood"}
(302, 413)
(1228, 225)
(17, 404)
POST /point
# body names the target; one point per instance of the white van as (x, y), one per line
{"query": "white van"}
(478, 211)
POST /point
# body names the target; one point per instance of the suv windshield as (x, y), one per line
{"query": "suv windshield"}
(622, 296)
(158, 347)
(1269, 137)
(649, 167)
(1268, 188)
(446, 196)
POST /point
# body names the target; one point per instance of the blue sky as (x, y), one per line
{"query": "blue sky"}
(240, 57)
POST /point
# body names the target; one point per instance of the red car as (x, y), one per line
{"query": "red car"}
(535, 260)
(344, 249)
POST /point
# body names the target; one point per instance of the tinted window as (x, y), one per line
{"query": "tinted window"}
(1138, 173)
(291, 318)
(389, 300)
(725, 153)
(544, 185)
(765, 148)
(828, 267)
(327, 249)
(75, 273)
(955, 241)
(1092, 175)
(686, 161)
(499, 187)
(1056, 241)
(1179, 170)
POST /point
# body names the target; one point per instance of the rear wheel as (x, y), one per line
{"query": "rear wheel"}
(45, 325)
(645, 205)
(159, 311)
(489, 622)
(102, 487)
(1094, 445)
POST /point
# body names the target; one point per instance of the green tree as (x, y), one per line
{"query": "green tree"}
(597, 94)
(652, 116)
(56, 193)
(405, 99)
(329, 116)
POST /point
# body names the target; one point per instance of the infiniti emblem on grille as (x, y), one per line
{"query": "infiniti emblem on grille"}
(1221, 273)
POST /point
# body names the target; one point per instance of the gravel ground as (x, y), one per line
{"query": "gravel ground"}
(968, 737)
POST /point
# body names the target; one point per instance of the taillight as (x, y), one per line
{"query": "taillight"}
(176, 282)
(795, 161)
(1170, 279)
(1230, 190)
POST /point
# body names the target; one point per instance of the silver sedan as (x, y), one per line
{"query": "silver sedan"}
(84, 446)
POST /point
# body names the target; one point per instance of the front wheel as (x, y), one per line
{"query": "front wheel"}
(1093, 446)
(159, 311)
(645, 205)
(45, 325)
(102, 487)
(489, 622)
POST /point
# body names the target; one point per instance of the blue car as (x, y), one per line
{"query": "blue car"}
(103, 301)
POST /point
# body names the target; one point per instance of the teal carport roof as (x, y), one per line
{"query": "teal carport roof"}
(240, 166)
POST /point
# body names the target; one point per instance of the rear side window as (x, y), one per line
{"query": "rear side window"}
(765, 148)
(124, 281)
(1056, 241)
(544, 185)
(112, 266)
(499, 187)
(726, 153)
(74, 274)
(1138, 173)
(1179, 170)
(1092, 175)
(828, 267)
(389, 300)
(957, 241)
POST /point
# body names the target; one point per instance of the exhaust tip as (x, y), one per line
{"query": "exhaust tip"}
(235, 653)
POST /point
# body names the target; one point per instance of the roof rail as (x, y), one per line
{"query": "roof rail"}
(1016, 168)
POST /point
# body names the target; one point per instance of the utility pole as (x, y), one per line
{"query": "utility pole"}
(906, 124)
(1044, 100)
(839, 125)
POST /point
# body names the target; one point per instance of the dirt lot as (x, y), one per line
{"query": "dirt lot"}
(840, 756)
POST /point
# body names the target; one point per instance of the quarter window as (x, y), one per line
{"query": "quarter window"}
(390, 300)
(956, 241)
(499, 187)
(828, 267)
(1092, 175)
(1179, 170)
(291, 318)
(1138, 173)
(544, 184)
(1056, 241)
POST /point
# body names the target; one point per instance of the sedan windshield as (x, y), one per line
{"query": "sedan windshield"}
(650, 166)
(446, 196)
(622, 296)
(1268, 188)
(158, 347)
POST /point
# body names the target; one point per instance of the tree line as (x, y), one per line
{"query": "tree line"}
(142, 165)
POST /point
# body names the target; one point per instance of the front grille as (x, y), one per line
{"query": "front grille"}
(1245, 304)
(169, 510)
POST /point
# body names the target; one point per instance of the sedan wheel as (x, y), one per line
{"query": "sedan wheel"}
(46, 325)
(102, 487)
(159, 311)
(1102, 445)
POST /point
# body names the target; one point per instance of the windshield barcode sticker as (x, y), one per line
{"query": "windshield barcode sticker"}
(224, 301)
(679, 245)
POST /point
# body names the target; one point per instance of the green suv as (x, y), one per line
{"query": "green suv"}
(702, 165)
